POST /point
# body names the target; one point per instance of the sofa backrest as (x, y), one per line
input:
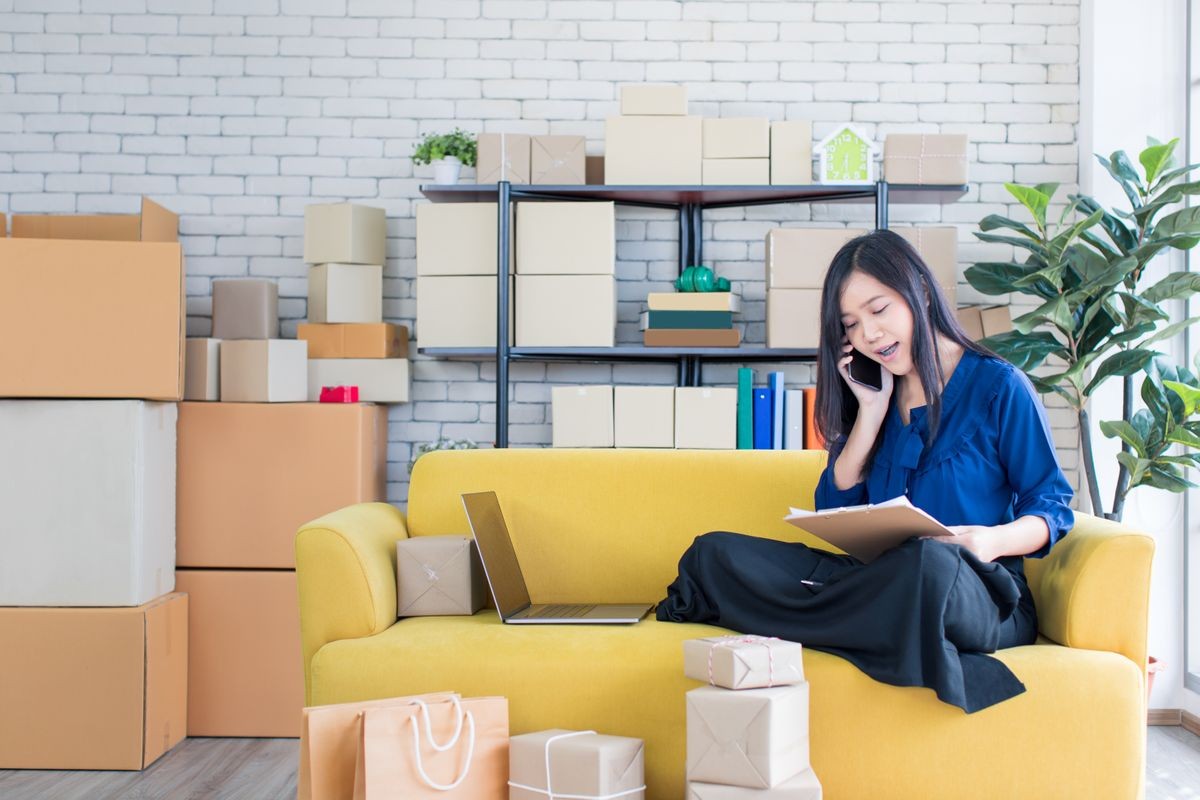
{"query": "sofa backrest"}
(594, 526)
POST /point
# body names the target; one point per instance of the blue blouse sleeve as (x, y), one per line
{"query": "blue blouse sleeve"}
(1030, 461)
(827, 494)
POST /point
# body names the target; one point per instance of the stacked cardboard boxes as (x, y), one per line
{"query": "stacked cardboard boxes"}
(95, 636)
(255, 365)
(644, 416)
(540, 159)
(737, 151)
(653, 141)
(691, 319)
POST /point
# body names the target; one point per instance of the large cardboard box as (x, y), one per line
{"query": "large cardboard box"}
(705, 418)
(345, 293)
(566, 310)
(354, 340)
(798, 258)
(654, 99)
(457, 239)
(245, 308)
(644, 416)
(344, 233)
(202, 371)
(982, 321)
(791, 152)
(87, 490)
(245, 669)
(575, 766)
(923, 158)
(559, 160)
(652, 150)
(938, 247)
(93, 688)
(379, 380)
(502, 157)
(94, 307)
(251, 474)
(757, 738)
(793, 318)
(457, 311)
(581, 416)
(737, 137)
(567, 239)
(736, 171)
(264, 371)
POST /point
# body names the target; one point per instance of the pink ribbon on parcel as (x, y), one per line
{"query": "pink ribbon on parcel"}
(730, 641)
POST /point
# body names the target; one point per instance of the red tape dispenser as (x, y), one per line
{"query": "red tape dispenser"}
(339, 394)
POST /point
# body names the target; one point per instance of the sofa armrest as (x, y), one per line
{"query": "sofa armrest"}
(346, 574)
(1093, 590)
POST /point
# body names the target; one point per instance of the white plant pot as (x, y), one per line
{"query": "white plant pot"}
(446, 170)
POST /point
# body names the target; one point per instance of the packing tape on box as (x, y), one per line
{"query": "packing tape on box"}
(923, 155)
(730, 641)
(553, 795)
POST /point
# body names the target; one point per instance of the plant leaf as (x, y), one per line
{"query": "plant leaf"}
(1034, 199)
(1184, 222)
(1034, 247)
(1137, 466)
(1026, 352)
(1189, 394)
(994, 222)
(1156, 158)
(1125, 362)
(1054, 311)
(1126, 433)
(1173, 286)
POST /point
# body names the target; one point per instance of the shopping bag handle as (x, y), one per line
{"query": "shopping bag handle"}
(416, 743)
(458, 717)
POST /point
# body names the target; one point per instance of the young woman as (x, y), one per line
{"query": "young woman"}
(954, 427)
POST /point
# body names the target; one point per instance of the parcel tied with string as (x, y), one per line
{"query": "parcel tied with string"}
(438, 576)
(743, 662)
(583, 765)
(756, 738)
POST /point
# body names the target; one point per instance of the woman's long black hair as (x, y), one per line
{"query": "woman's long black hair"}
(890, 259)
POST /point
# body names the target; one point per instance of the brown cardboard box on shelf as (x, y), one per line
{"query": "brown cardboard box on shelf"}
(736, 172)
(250, 475)
(938, 248)
(558, 160)
(344, 233)
(245, 673)
(456, 239)
(93, 688)
(691, 337)
(379, 380)
(264, 371)
(245, 308)
(581, 416)
(705, 418)
(587, 765)
(354, 340)
(439, 575)
(566, 310)
(983, 321)
(503, 157)
(123, 288)
(652, 150)
(791, 152)
(737, 137)
(345, 293)
(653, 99)
(567, 239)
(793, 318)
(925, 158)
(594, 170)
(202, 370)
(644, 416)
(797, 258)
(757, 738)
(458, 311)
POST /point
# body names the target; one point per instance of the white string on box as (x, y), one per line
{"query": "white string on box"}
(553, 795)
(730, 641)
(416, 743)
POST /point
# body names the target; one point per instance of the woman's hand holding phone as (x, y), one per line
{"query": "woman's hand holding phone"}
(870, 400)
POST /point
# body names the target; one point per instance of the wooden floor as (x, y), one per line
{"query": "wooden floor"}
(265, 769)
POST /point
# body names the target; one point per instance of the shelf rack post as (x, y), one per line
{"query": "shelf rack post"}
(881, 205)
(503, 201)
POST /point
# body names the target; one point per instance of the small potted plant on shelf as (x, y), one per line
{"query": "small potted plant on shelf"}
(448, 152)
(441, 444)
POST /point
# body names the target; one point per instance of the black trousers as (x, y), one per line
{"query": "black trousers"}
(922, 614)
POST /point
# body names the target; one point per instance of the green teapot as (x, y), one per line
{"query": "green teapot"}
(700, 279)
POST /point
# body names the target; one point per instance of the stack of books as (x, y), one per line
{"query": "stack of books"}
(691, 319)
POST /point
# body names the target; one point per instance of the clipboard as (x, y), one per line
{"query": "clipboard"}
(868, 531)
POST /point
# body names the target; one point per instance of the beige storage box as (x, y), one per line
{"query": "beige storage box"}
(705, 418)
(581, 416)
(344, 233)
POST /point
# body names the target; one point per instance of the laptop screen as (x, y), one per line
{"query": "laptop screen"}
(497, 553)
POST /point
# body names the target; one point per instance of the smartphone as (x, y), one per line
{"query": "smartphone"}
(866, 371)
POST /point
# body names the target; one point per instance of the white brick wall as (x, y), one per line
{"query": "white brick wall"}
(237, 113)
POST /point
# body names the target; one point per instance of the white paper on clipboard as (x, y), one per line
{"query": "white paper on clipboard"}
(870, 530)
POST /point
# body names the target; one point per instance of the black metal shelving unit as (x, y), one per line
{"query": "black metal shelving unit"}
(690, 202)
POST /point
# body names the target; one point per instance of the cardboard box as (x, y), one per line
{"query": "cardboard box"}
(736, 171)
(354, 340)
(922, 158)
(567, 239)
(743, 662)
(757, 738)
(804, 786)
(581, 416)
(344, 233)
(575, 764)
(379, 380)
(345, 293)
(503, 157)
(652, 150)
(93, 688)
(791, 152)
(798, 258)
(653, 99)
(594, 170)
(88, 492)
(264, 371)
(559, 160)
(705, 418)
(938, 247)
(694, 301)
(439, 575)
(691, 337)
(457, 311)
(744, 137)
(644, 416)
(566, 310)
(245, 308)
(793, 318)
(457, 239)
(251, 474)
(245, 669)
(982, 321)
(98, 318)
(202, 370)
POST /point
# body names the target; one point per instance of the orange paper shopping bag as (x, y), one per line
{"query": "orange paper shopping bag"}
(329, 737)
(455, 749)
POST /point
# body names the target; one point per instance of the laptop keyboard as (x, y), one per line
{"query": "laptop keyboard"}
(559, 611)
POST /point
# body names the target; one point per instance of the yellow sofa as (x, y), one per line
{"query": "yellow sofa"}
(609, 525)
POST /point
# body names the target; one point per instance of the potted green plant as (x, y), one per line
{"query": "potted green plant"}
(441, 444)
(448, 152)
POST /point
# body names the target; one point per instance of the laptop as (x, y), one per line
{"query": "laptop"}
(507, 583)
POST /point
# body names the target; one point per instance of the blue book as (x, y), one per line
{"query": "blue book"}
(776, 410)
(745, 409)
(762, 419)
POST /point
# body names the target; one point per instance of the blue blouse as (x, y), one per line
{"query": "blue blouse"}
(993, 460)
